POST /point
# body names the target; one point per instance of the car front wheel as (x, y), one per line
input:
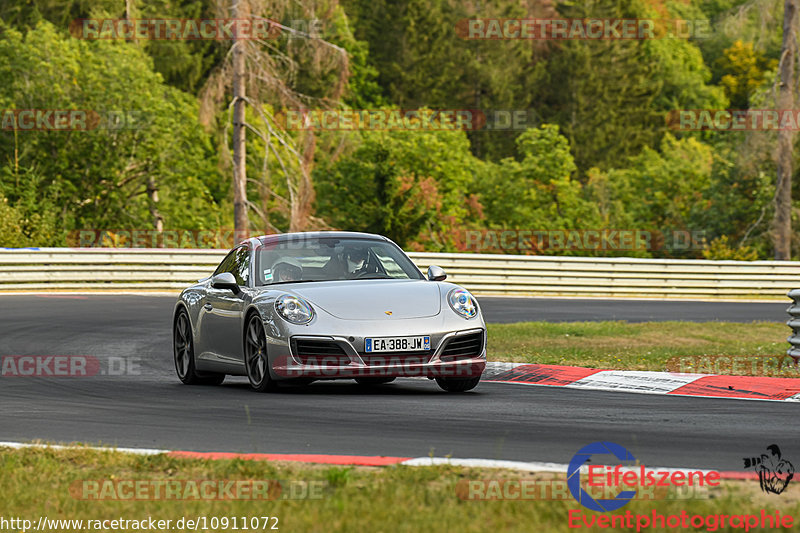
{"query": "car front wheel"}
(255, 356)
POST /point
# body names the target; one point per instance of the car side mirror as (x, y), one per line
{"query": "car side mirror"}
(436, 273)
(225, 280)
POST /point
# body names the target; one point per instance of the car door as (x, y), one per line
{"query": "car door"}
(223, 310)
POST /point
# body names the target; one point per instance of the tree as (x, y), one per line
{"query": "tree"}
(146, 133)
(276, 74)
(746, 69)
(241, 221)
(411, 186)
(423, 61)
(660, 191)
(783, 187)
(538, 192)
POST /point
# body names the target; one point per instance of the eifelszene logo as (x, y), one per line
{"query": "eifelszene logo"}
(774, 472)
(633, 478)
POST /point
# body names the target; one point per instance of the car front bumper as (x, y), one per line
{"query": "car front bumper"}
(353, 362)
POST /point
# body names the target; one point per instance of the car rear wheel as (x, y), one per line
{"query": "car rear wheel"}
(373, 381)
(255, 358)
(458, 384)
(183, 350)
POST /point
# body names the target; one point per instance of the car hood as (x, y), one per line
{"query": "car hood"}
(374, 299)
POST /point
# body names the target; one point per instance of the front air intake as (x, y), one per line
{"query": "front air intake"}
(319, 352)
(463, 346)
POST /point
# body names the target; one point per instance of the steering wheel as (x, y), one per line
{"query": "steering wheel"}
(365, 274)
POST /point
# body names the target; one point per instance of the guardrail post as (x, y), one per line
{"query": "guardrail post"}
(794, 323)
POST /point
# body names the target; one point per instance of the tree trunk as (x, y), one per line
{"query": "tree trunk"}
(241, 222)
(783, 187)
(302, 206)
(130, 15)
(158, 220)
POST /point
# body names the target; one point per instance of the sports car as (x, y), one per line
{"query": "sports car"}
(300, 307)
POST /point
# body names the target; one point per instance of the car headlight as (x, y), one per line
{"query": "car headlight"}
(294, 309)
(463, 303)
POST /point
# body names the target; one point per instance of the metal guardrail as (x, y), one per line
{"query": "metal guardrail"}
(171, 269)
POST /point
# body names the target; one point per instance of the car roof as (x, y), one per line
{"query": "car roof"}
(280, 237)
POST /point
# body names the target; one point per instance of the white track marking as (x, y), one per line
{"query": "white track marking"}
(635, 381)
(137, 451)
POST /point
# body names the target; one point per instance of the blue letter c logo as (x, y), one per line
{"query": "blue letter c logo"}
(574, 476)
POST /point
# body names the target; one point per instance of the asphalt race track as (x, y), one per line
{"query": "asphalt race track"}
(147, 407)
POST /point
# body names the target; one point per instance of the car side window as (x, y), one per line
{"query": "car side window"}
(237, 262)
(241, 267)
(227, 264)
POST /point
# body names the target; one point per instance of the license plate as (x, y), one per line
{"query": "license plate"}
(397, 344)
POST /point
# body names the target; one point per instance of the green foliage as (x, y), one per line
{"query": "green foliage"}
(11, 235)
(746, 70)
(663, 192)
(664, 189)
(410, 186)
(597, 152)
(742, 189)
(25, 15)
(539, 191)
(720, 249)
(362, 90)
(182, 64)
(96, 177)
(423, 62)
(610, 97)
(36, 208)
(338, 476)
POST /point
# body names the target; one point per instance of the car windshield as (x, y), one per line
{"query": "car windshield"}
(331, 259)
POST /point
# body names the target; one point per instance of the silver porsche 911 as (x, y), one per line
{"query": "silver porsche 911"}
(301, 307)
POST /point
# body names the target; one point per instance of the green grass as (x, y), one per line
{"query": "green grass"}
(646, 346)
(36, 482)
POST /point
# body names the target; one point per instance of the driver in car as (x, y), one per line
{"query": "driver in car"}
(287, 269)
(356, 260)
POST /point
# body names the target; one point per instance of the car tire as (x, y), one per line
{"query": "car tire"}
(370, 382)
(183, 354)
(256, 361)
(458, 384)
